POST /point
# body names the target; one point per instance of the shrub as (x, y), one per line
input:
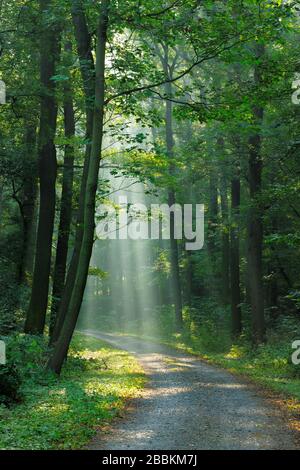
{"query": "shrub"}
(27, 353)
(26, 357)
(10, 382)
(12, 301)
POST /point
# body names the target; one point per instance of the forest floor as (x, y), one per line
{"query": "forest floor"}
(65, 412)
(190, 404)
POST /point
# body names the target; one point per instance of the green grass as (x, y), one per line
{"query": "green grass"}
(65, 412)
(207, 334)
(268, 365)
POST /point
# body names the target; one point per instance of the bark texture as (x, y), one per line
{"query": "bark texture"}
(47, 168)
(62, 344)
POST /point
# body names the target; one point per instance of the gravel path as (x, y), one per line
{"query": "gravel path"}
(191, 405)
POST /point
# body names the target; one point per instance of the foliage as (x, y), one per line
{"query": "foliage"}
(183, 87)
(26, 357)
(10, 382)
(13, 297)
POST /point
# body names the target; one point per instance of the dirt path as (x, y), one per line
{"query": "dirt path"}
(191, 405)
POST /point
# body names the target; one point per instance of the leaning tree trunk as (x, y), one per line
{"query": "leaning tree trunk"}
(255, 224)
(84, 50)
(66, 203)
(47, 167)
(63, 342)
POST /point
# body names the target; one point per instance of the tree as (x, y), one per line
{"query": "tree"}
(255, 225)
(49, 50)
(62, 344)
(236, 313)
(175, 274)
(66, 201)
(87, 68)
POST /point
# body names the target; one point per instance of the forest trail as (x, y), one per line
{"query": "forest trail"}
(189, 404)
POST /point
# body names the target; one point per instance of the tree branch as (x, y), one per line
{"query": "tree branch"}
(182, 74)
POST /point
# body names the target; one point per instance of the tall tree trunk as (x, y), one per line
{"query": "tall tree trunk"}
(213, 213)
(272, 290)
(47, 167)
(87, 68)
(255, 225)
(63, 342)
(174, 257)
(189, 278)
(236, 314)
(213, 210)
(31, 239)
(175, 274)
(189, 270)
(66, 203)
(225, 243)
(29, 200)
(1, 195)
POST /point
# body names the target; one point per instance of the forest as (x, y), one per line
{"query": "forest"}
(109, 108)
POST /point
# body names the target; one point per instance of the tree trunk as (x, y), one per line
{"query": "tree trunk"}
(62, 345)
(175, 274)
(255, 225)
(47, 167)
(213, 213)
(272, 289)
(83, 43)
(66, 203)
(28, 204)
(189, 278)
(213, 210)
(174, 258)
(236, 314)
(225, 242)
